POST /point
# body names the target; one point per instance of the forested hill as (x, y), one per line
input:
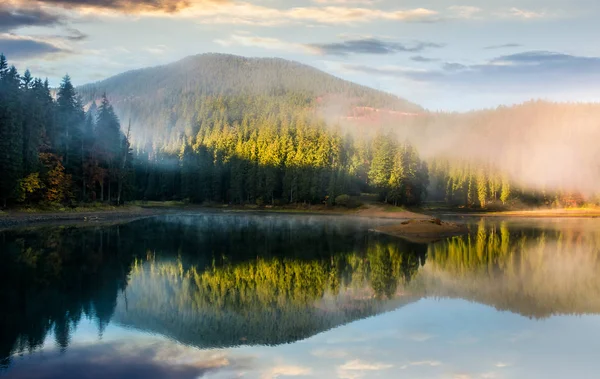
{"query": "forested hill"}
(164, 101)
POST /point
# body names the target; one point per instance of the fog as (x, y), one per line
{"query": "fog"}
(538, 145)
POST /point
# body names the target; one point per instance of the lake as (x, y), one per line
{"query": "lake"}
(281, 296)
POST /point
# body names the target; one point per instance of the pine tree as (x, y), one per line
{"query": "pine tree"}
(382, 163)
(107, 144)
(482, 188)
(505, 191)
(11, 133)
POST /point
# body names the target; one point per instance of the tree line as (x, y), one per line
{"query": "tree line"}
(275, 158)
(246, 147)
(272, 152)
(54, 152)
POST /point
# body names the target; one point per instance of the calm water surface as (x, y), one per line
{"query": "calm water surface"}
(232, 296)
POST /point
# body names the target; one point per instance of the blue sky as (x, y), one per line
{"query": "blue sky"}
(430, 339)
(442, 54)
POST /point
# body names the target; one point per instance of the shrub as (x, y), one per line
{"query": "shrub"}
(347, 201)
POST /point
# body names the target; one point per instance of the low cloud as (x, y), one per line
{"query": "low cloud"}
(426, 363)
(13, 17)
(345, 2)
(282, 371)
(467, 12)
(358, 368)
(269, 43)
(504, 46)
(16, 47)
(523, 14)
(370, 46)
(168, 6)
(527, 70)
(422, 59)
(75, 35)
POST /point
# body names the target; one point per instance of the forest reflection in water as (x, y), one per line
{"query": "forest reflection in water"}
(226, 280)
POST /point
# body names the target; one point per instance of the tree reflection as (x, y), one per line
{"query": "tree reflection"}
(50, 279)
(208, 281)
(219, 280)
(537, 272)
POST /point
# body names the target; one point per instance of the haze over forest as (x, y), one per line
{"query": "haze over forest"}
(363, 99)
(222, 128)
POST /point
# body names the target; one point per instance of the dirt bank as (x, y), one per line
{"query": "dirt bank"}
(14, 219)
(10, 220)
(424, 231)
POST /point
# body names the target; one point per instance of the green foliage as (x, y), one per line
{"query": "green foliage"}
(29, 187)
(505, 192)
(53, 152)
(347, 201)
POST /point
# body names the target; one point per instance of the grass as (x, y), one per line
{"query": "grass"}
(393, 208)
(86, 208)
(158, 204)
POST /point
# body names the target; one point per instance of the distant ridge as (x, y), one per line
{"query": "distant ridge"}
(170, 96)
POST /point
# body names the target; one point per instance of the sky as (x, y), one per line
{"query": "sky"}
(445, 55)
(430, 339)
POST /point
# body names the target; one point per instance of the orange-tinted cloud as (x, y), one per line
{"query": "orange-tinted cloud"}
(129, 6)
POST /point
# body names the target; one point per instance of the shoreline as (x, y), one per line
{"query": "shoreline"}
(546, 213)
(16, 219)
(13, 220)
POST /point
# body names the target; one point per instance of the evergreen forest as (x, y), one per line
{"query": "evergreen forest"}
(218, 129)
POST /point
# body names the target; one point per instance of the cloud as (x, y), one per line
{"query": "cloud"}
(343, 15)
(245, 13)
(355, 46)
(356, 369)
(157, 50)
(16, 47)
(168, 6)
(526, 14)
(269, 43)
(279, 371)
(241, 12)
(504, 46)
(370, 46)
(422, 59)
(148, 359)
(426, 363)
(329, 353)
(523, 14)
(75, 35)
(345, 2)
(531, 70)
(13, 17)
(389, 71)
(467, 12)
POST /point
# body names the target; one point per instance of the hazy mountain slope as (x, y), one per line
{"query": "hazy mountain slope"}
(170, 97)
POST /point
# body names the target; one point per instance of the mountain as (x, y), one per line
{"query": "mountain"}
(165, 101)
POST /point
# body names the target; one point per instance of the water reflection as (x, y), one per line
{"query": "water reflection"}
(535, 270)
(217, 281)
